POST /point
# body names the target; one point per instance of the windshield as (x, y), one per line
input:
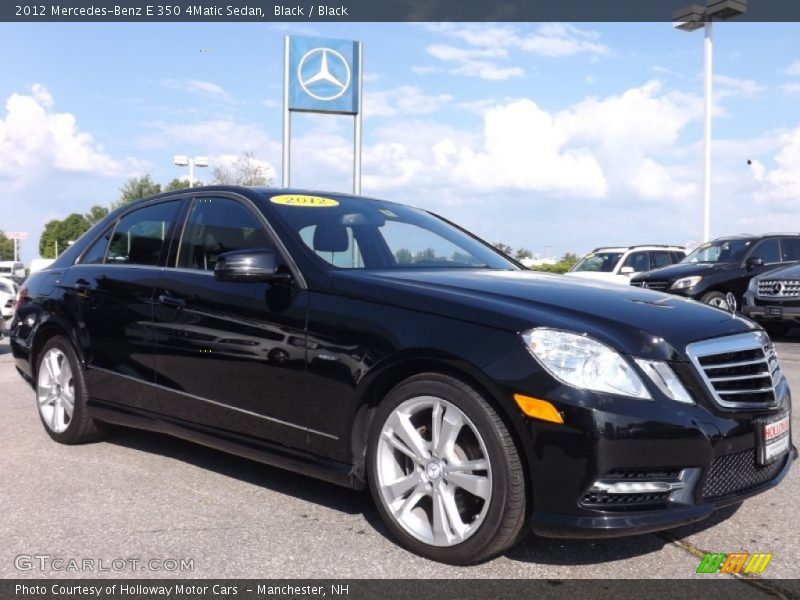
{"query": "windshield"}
(352, 233)
(599, 262)
(719, 251)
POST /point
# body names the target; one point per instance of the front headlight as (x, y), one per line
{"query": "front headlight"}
(686, 282)
(752, 287)
(582, 362)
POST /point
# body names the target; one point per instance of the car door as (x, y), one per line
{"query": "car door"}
(660, 258)
(639, 261)
(769, 251)
(112, 287)
(229, 355)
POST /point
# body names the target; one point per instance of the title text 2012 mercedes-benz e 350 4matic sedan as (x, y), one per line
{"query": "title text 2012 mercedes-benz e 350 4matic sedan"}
(376, 345)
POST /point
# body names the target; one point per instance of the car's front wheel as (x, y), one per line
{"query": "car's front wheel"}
(445, 471)
(61, 395)
(716, 299)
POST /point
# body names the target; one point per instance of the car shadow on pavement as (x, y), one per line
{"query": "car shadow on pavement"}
(532, 548)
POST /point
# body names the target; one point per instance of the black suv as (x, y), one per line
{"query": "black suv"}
(719, 272)
(773, 299)
(375, 345)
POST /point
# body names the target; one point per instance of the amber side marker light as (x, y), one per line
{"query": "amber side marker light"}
(538, 409)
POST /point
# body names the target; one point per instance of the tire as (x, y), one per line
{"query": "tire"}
(715, 299)
(473, 525)
(59, 376)
(776, 329)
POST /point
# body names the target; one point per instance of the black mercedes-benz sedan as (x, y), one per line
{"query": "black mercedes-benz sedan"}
(375, 345)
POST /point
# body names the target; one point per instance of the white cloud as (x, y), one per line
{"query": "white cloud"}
(197, 86)
(783, 181)
(726, 86)
(35, 140)
(792, 88)
(403, 100)
(793, 69)
(213, 136)
(487, 45)
(589, 150)
(475, 62)
(425, 69)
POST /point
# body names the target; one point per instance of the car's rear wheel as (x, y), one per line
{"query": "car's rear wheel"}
(445, 471)
(61, 395)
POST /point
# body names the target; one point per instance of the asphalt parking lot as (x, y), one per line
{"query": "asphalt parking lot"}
(146, 496)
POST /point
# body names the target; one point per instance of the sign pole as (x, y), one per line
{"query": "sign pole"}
(287, 118)
(357, 126)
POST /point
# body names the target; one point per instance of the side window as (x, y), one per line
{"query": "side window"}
(215, 226)
(677, 256)
(97, 252)
(334, 243)
(791, 249)
(140, 235)
(639, 261)
(660, 258)
(768, 250)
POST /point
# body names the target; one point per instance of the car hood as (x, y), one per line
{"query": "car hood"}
(599, 276)
(633, 320)
(678, 270)
(792, 272)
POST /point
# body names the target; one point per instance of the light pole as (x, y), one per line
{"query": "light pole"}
(182, 160)
(691, 18)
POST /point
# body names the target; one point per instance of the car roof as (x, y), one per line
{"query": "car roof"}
(637, 247)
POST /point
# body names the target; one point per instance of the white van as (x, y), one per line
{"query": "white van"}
(8, 293)
(12, 270)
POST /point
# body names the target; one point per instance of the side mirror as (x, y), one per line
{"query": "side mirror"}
(249, 266)
(754, 261)
(626, 271)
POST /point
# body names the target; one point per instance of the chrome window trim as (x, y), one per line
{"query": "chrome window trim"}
(753, 340)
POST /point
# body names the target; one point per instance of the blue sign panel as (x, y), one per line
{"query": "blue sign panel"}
(324, 75)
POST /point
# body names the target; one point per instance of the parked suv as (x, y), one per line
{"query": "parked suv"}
(618, 265)
(773, 299)
(376, 345)
(719, 272)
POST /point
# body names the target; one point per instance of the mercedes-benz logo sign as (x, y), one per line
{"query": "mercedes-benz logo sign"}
(323, 74)
(777, 288)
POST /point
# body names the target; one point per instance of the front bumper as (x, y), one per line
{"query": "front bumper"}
(712, 450)
(771, 311)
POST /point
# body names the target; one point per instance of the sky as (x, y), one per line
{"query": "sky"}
(553, 137)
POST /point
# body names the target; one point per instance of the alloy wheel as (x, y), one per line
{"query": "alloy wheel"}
(55, 390)
(434, 472)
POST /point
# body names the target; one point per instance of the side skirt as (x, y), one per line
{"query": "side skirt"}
(257, 450)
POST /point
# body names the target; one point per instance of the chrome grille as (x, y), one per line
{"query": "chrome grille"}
(740, 371)
(779, 288)
(658, 286)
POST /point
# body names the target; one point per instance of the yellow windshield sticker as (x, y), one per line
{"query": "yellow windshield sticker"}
(301, 200)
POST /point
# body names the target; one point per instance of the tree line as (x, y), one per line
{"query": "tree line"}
(58, 233)
(562, 265)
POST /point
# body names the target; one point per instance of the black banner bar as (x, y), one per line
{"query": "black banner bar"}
(709, 587)
(375, 10)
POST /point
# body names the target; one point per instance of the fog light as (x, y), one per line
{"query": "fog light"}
(635, 487)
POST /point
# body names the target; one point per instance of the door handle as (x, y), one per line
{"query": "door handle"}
(82, 285)
(172, 301)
